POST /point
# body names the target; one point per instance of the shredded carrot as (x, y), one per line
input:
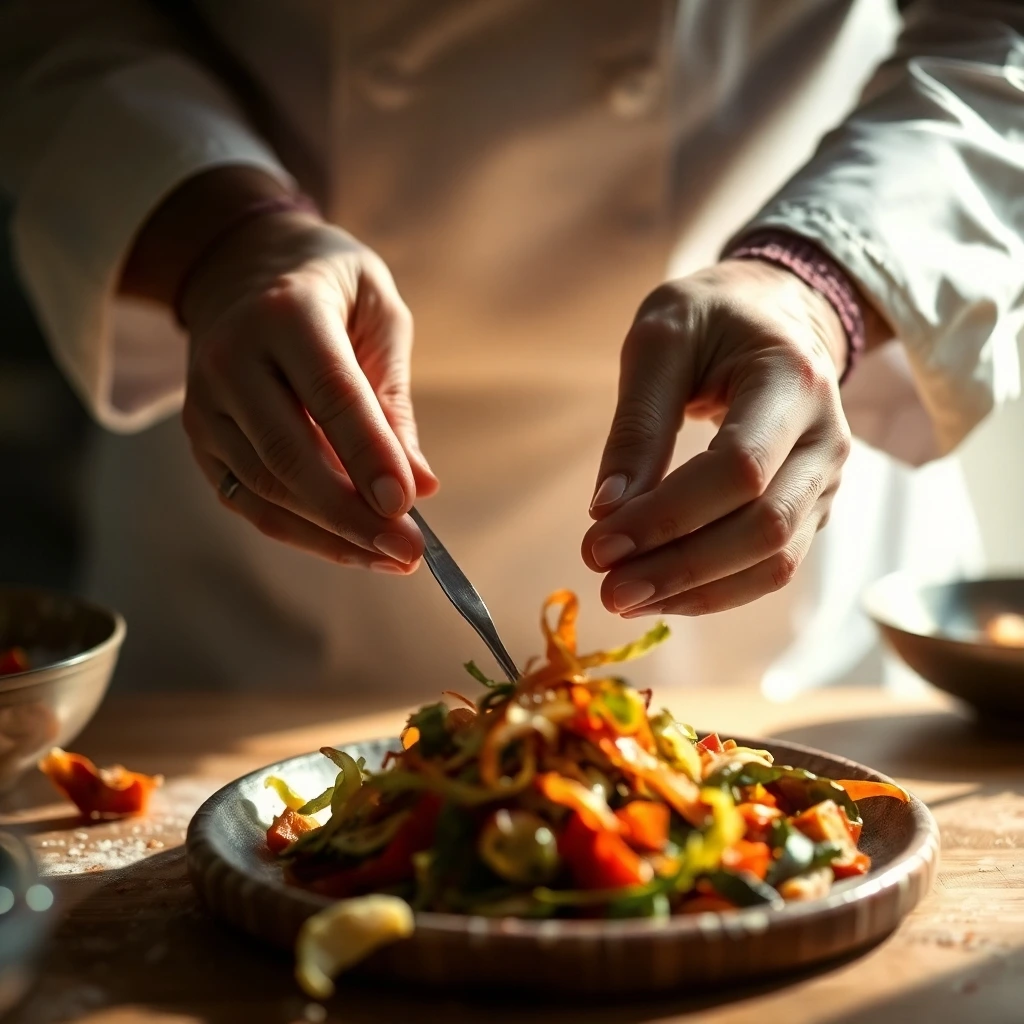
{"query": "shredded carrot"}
(861, 789)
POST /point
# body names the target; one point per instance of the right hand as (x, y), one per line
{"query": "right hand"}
(298, 384)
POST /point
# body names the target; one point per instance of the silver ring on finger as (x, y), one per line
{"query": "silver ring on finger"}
(229, 484)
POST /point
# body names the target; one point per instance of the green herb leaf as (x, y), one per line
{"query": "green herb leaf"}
(318, 803)
(743, 889)
(652, 905)
(430, 721)
(627, 652)
(796, 852)
(477, 673)
(799, 787)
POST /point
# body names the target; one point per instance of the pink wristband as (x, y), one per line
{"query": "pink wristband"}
(258, 208)
(816, 269)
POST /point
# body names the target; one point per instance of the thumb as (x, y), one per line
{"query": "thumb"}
(396, 403)
(388, 366)
(655, 380)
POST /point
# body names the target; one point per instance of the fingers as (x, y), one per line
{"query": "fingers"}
(291, 469)
(736, 542)
(279, 524)
(324, 373)
(656, 378)
(761, 428)
(769, 575)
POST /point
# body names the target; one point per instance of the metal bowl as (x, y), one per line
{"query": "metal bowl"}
(939, 630)
(72, 648)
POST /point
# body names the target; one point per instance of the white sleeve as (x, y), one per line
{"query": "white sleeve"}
(102, 115)
(918, 195)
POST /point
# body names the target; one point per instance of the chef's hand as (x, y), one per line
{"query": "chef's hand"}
(298, 385)
(752, 347)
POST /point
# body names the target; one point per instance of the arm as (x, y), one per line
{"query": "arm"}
(103, 114)
(917, 194)
(916, 197)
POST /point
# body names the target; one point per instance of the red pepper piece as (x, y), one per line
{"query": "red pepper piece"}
(394, 863)
(286, 828)
(711, 744)
(600, 859)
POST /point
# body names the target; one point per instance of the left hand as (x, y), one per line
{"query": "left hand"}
(752, 347)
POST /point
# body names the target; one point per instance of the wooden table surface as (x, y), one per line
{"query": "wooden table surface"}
(132, 944)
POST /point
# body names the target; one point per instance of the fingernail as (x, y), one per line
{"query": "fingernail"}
(607, 550)
(639, 613)
(629, 595)
(388, 567)
(394, 546)
(389, 495)
(611, 489)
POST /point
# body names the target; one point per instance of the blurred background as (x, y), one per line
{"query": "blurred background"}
(45, 440)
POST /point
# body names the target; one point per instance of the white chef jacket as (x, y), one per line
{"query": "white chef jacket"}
(529, 171)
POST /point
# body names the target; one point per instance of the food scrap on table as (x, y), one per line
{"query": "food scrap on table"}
(111, 792)
(560, 795)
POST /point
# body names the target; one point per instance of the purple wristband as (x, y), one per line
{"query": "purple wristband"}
(258, 208)
(816, 269)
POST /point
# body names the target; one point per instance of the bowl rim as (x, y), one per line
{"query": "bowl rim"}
(871, 600)
(201, 845)
(30, 676)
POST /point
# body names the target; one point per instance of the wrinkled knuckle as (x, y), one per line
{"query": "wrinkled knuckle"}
(843, 442)
(666, 528)
(284, 299)
(636, 426)
(776, 522)
(825, 517)
(784, 567)
(332, 395)
(664, 300)
(280, 453)
(749, 468)
(263, 483)
(403, 319)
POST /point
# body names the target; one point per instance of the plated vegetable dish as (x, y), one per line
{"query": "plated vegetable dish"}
(565, 795)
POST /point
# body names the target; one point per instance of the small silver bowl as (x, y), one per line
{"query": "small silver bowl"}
(72, 648)
(941, 631)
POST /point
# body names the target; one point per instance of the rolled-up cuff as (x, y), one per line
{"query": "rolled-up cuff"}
(961, 368)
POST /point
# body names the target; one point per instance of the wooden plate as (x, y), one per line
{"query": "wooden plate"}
(239, 882)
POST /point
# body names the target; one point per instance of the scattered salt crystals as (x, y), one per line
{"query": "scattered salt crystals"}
(81, 836)
(104, 844)
(75, 851)
(154, 844)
